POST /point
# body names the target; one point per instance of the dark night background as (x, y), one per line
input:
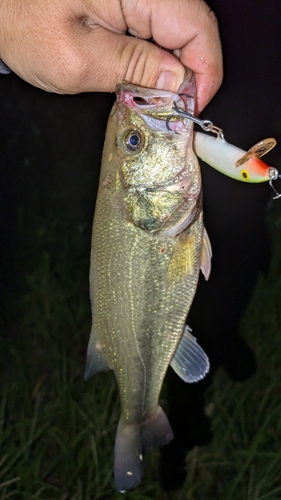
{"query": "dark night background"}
(50, 152)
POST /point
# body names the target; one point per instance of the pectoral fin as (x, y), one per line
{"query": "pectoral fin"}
(95, 360)
(183, 258)
(190, 362)
(206, 255)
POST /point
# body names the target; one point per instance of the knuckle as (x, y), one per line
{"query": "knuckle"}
(213, 17)
(138, 66)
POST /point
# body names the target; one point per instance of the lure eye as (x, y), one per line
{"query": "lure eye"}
(245, 174)
(133, 141)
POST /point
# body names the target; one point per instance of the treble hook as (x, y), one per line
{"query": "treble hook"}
(274, 175)
(206, 125)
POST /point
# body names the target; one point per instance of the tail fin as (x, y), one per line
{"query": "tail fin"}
(157, 430)
(131, 440)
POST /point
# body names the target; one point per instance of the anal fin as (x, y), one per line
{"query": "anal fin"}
(190, 362)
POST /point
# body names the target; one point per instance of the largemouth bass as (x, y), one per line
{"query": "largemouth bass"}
(148, 244)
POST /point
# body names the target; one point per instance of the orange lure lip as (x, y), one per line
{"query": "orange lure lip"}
(258, 167)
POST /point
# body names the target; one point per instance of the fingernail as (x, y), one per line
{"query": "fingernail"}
(167, 81)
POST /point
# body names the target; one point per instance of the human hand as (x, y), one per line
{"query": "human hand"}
(72, 46)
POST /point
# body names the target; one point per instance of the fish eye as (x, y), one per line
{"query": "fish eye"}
(133, 141)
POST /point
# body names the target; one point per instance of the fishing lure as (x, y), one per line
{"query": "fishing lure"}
(245, 166)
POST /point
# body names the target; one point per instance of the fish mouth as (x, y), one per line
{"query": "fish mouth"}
(157, 107)
(142, 98)
(147, 98)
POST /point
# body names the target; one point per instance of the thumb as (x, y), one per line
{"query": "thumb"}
(116, 57)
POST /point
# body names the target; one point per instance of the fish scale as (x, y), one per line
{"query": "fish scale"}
(131, 306)
(142, 284)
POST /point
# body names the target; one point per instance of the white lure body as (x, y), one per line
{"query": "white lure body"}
(233, 161)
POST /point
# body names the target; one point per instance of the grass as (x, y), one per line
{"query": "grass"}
(57, 432)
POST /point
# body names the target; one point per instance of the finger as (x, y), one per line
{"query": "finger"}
(86, 57)
(190, 28)
(106, 58)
